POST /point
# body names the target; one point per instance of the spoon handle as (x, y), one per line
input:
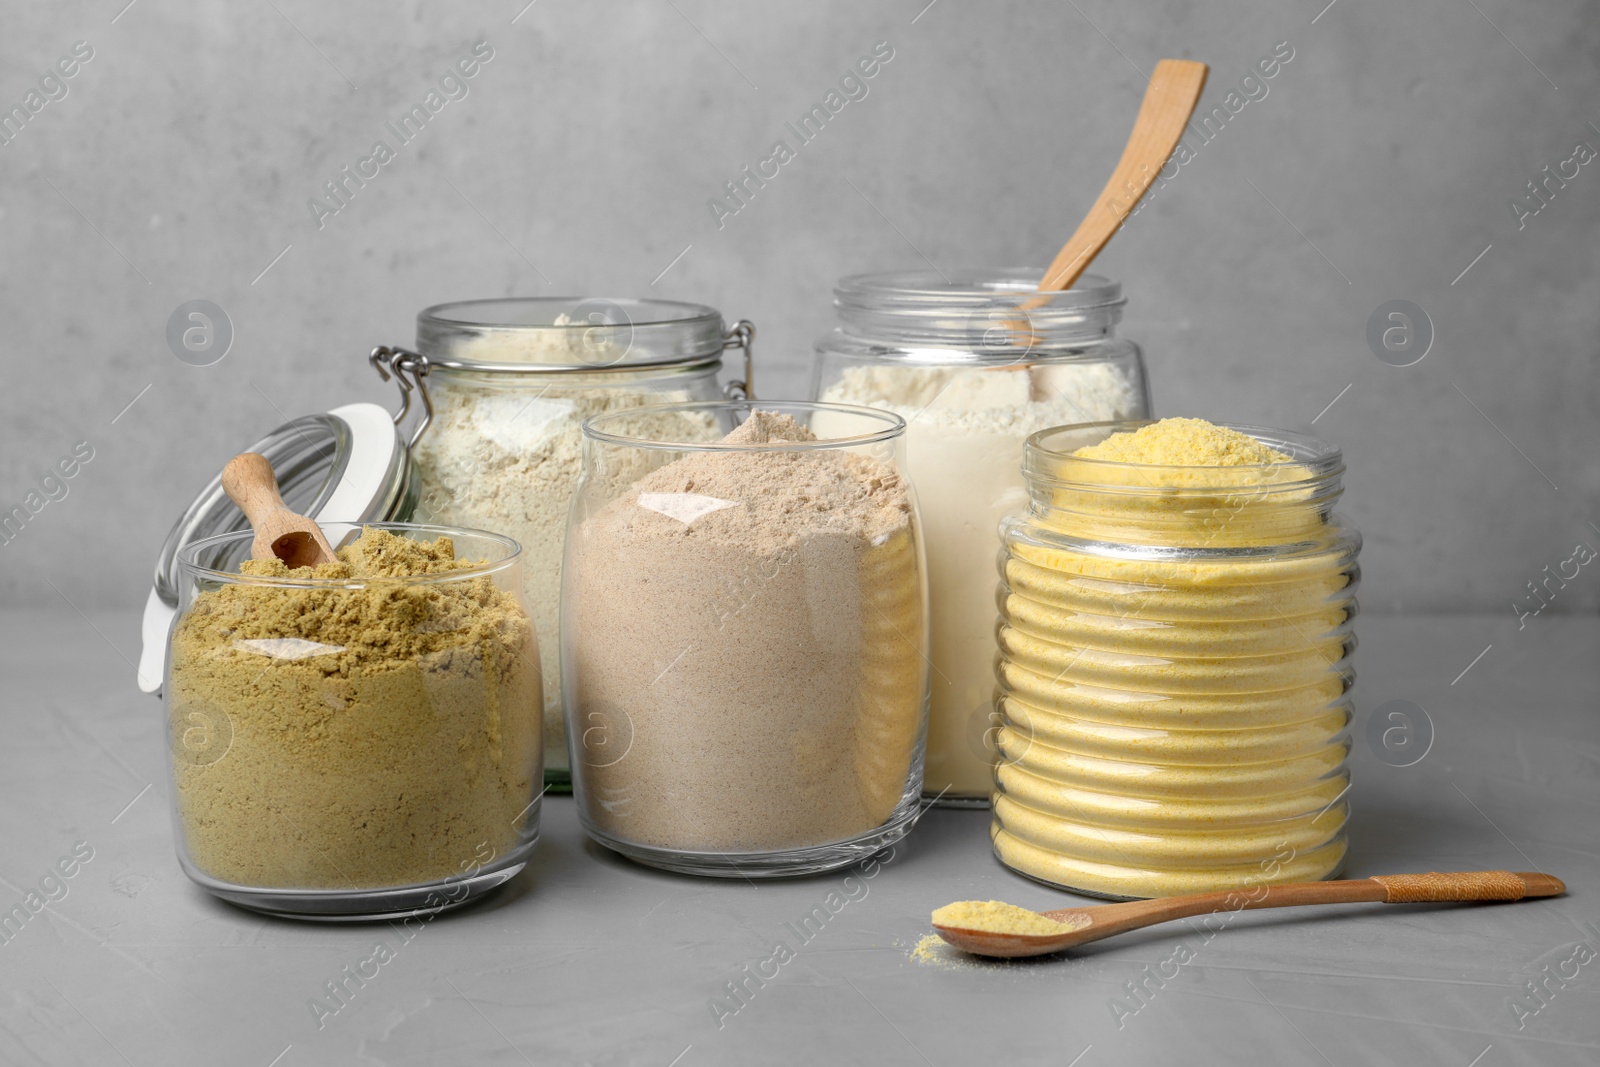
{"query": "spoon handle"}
(250, 483)
(1467, 885)
(1384, 888)
(1169, 100)
(298, 541)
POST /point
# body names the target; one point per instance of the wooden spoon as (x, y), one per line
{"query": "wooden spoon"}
(291, 537)
(1094, 923)
(1168, 102)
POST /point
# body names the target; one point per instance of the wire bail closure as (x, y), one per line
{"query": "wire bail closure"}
(742, 337)
(409, 370)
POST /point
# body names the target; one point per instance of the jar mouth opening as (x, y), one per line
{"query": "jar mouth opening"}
(875, 425)
(1050, 452)
(568, 333)
(217, 558)
(987, 313)
(979, 287)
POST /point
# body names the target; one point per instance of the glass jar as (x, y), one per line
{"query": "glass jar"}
(744, 637)
(1176, 649)
(973, 369)
(506, 384)
(354, 747)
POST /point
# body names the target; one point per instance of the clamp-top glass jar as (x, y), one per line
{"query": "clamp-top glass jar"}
(974, 360)
(361, 741)
(504, 387)
(1176, 648)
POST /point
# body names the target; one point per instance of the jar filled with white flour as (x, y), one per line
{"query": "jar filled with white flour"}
(973, 371)
(500, 389)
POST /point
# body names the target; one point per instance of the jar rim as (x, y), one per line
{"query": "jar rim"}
(668, 333)
(594, 426)
(981, 287)
(989, 314)
(190, 555)
(689, 312)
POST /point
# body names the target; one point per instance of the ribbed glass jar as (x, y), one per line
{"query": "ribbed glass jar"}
(1175, 660)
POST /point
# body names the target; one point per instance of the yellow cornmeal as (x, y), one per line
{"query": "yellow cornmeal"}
(997, 917)
(1185, 482)
(934, 951)
(354, 736)
(927, 949)
(1184, 443)
(1174, 724)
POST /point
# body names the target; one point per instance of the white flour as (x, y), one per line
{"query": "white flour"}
(507, 458)
(966, 427)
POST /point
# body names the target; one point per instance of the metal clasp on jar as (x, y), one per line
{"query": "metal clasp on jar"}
(742, 336)
(409, 370)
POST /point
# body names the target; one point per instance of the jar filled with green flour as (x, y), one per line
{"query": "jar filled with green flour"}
(359, 739)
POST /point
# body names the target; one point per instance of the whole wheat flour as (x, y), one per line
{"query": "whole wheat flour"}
(748, 626)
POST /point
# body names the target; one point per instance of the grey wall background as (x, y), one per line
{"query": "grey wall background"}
(1383, 158)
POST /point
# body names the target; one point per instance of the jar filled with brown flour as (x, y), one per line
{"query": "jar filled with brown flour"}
(357, 739)
(744, 637)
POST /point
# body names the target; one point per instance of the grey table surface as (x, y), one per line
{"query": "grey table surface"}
(586, 958)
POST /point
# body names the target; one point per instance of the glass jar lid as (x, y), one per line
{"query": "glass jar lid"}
(562, 334)
(345, 465)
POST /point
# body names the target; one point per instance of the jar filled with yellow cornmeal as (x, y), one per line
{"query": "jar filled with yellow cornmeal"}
(358, 739)
(1175, 655)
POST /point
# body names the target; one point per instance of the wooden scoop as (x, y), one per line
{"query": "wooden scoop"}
(293, 538)
(1169, 100)
(1082, 925)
